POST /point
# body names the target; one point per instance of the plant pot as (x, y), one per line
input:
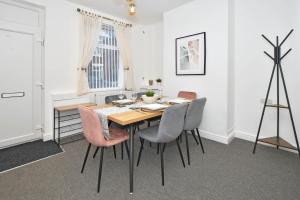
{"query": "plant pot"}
(150, 82)
(149, 100)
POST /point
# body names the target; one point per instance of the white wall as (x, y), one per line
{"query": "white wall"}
(61, 53)
(237, 70)
(148, 48)
(211, 17)
(253, 68)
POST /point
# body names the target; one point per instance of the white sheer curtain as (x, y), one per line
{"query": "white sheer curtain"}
(90, 27)
(123, 41)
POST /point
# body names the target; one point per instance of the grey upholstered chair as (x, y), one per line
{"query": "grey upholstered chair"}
(148, 121)
(170, 127)
(140, 94)
(109, 99)
(193, 120)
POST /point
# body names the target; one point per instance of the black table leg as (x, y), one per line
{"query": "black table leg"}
(131, 158)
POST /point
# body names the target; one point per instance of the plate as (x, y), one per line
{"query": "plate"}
(123, 101)
(154, 106)
(179, 101)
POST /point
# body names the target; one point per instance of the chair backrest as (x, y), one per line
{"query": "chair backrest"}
(109, 99)
(187, 95)
(194, 114)
(140, 94)
(92, 128)
(171, 124)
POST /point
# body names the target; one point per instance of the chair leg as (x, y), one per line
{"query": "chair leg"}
(149, 124)
(100, 168)
(135, 128)
(157, 148)
(96, 151)
(115, 154)
(194, 136)
(150, 144)
(140, 152)
(180, 152)
(122, 148)
(200, 140)
(127, 149)
(162, 164)
(187, 147)
(85, 157)
(164, 147)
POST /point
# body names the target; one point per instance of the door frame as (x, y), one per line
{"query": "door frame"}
(30, 30)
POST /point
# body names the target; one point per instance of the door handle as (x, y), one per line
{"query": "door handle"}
(12, 95)
(40, 84)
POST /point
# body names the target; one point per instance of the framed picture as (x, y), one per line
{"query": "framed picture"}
(191, 54)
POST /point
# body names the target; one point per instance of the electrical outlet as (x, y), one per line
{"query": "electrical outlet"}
(269, 101)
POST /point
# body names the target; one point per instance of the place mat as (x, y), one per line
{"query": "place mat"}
(154, 107)
(123, 102)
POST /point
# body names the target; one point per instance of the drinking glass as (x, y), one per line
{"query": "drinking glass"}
(134, 96)
(121, 95)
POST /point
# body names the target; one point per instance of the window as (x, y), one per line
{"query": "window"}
(104, 70)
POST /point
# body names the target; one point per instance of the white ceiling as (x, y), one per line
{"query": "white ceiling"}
(148, 11)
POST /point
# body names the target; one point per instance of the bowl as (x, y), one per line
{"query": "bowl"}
(149, 100)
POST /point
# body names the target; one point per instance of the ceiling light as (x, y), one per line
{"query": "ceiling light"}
(132, 9)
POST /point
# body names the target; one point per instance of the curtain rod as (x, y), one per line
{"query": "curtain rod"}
(106, 18)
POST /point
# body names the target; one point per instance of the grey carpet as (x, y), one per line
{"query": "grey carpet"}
(25, 153)
(224, 172)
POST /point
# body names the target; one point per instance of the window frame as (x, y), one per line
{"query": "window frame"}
(120, 72)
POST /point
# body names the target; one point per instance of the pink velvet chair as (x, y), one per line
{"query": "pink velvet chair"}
(187, 95)
(93, 133)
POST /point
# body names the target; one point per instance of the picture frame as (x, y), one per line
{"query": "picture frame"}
(190, 53)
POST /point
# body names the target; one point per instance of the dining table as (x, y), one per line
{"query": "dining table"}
(130, 119)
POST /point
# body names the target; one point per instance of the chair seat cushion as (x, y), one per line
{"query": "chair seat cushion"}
(117, 136)
(149, 134)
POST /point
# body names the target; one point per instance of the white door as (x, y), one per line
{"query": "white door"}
(20, 83)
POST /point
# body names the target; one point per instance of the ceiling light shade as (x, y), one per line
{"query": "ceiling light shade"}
(132, 9)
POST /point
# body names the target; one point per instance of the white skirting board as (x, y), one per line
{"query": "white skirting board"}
(216, 137)
(245, 136)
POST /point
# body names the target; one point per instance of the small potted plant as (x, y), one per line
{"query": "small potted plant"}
(158, 81)
(150, 97)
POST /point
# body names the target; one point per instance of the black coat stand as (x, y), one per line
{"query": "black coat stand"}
(277, 140)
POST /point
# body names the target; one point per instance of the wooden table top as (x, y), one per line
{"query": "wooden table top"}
(73, 106)
(133, 116)
(129, 117)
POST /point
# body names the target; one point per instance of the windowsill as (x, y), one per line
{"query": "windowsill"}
(109, 90)
(106, 90)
